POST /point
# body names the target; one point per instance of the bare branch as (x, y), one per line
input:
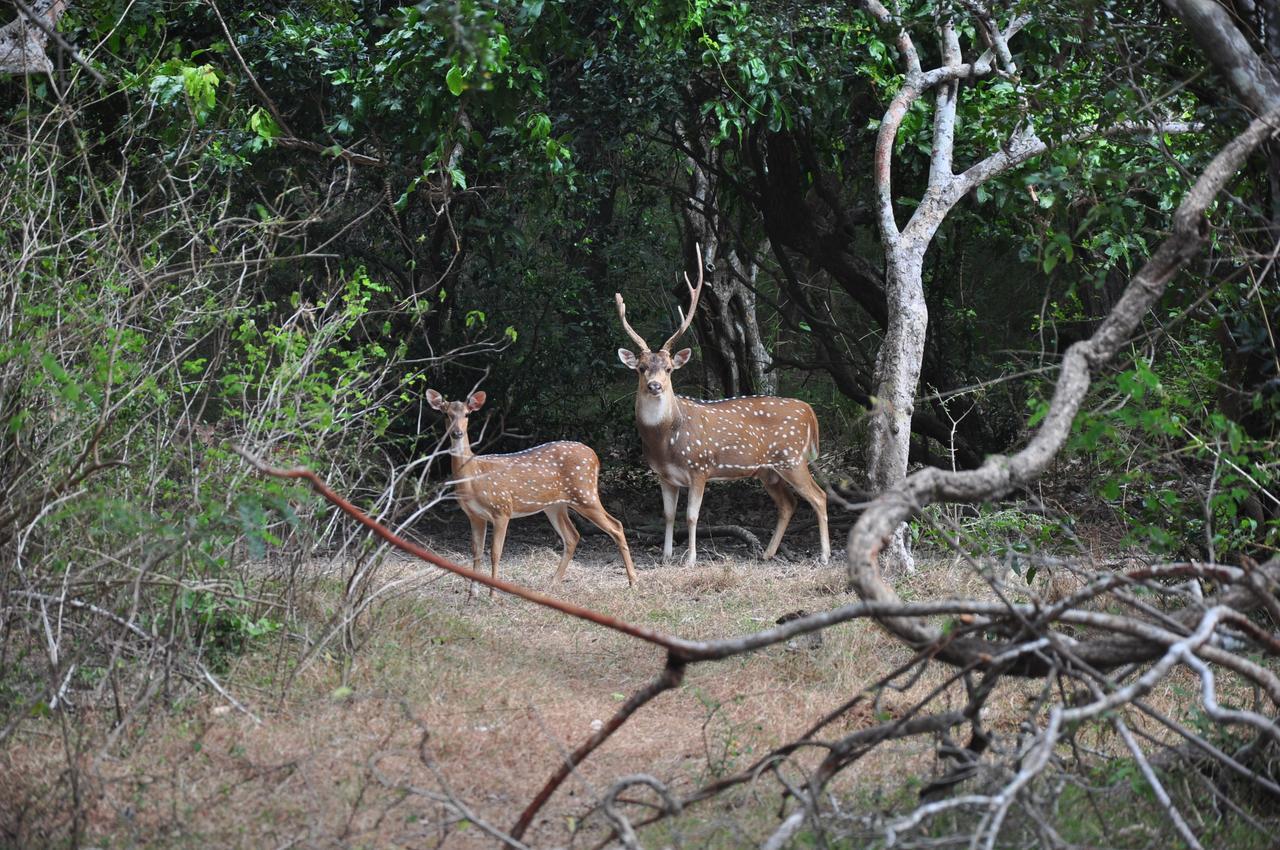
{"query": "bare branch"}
(621, 826)
(1000, 474)
(671, 676)
(22, 52)
(1162, 796)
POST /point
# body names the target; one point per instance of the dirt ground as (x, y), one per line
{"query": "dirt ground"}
(477, 701)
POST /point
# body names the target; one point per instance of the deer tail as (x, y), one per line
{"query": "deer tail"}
(813, 435)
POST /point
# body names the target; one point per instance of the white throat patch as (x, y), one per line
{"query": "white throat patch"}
(653, 411)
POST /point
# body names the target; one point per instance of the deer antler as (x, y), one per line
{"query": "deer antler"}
(626, 326)
(693, 303)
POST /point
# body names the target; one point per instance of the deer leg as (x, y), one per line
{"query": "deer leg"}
(495, 548)
(696, 487)
(478, 529)
(670, 493)
(606, 522)
(559, 516)
(786, 502)
(800, 478)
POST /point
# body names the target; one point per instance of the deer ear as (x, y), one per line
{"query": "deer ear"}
(476, 401)
(628, 358)
(435, 400)
(681, 357)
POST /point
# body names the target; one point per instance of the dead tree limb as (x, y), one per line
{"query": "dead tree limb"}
(1001, 474)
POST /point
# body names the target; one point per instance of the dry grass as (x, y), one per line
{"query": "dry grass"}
(502, 689)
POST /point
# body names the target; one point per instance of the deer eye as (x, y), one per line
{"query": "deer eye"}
(642, 368)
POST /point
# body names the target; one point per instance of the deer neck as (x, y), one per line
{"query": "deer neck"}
(657, 412)
(658, 419)
(460, 455)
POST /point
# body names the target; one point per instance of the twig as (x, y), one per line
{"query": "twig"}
(671, 676)
(622, 827)
(289, 139)
(1152, 780)
(204, 671)
(44, 27)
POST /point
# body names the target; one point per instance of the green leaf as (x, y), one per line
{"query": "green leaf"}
(539, 126)
(1039, 410)
(261, 123)
(531, 9)
(454, 80)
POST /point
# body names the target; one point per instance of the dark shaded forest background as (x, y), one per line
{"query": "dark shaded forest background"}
(480, 179)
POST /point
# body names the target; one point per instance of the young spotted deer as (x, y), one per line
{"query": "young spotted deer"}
(553, 478)
(688, 442)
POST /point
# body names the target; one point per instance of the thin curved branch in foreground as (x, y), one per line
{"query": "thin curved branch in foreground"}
(672, 675)
(1184, 637)
(1146, 641)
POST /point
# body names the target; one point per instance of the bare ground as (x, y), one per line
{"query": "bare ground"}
(479, 699)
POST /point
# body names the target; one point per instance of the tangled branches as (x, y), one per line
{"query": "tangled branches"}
(1094, 666)
(1078, 689)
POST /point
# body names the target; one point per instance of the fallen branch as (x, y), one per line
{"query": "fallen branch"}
(1028, 655)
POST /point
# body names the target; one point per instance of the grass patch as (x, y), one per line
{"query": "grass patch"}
(494, 692)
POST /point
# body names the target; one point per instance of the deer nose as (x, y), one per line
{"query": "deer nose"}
(655, 387)
(456, 433)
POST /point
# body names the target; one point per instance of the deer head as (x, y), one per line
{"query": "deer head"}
(654, 368)
(456, 413)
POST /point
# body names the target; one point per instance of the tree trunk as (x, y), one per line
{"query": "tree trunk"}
(901, 355)
(22, 42)
(897, 376)
(732, 345)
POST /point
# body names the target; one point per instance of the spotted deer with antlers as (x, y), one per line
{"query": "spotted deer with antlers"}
(689, 442)
(553, 478)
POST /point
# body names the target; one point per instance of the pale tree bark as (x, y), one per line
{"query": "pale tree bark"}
(24, 39)
(727, 326)
(1000, 474)
(1229, 52)
(880, 527)
(901, 353)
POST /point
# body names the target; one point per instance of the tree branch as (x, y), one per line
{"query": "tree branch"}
(1002, 473)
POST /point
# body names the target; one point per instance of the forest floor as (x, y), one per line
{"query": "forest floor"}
(479, 699)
